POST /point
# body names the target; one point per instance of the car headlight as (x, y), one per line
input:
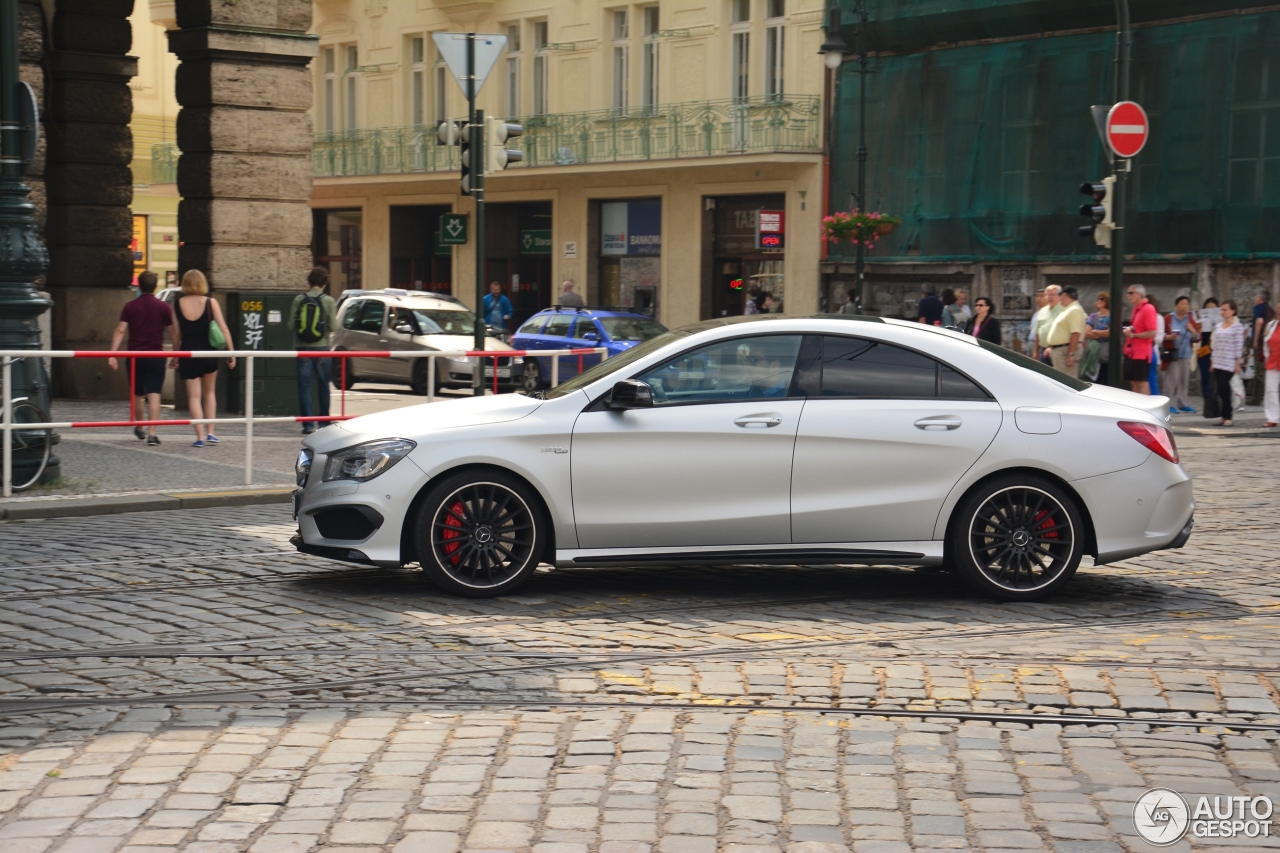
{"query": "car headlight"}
(515, 359)
(463, 359)
(302, 468)
(366, 461)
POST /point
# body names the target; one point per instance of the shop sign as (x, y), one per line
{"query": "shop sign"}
(631, 228)
(138, 245)
(771, 230)
(535, 242)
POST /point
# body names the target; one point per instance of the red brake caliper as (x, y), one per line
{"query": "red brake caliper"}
(452, 533)
(1044, 521)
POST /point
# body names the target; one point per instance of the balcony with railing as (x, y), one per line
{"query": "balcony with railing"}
(667, 131)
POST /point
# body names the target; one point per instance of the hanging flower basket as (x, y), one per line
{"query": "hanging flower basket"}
(857, 227)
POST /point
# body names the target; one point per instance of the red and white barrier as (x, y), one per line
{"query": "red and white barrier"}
(7, 357)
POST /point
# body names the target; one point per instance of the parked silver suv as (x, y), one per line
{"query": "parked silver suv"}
(403, 320)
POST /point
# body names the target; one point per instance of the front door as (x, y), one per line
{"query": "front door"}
(880, 449)
(708, 465)
(401, 369)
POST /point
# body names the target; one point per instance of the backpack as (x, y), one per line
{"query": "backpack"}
(312, 325)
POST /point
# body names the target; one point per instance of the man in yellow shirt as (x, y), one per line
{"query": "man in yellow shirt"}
(1066, 333)
(1043, 319)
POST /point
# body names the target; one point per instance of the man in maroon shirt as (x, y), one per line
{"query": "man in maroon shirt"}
(144, 319)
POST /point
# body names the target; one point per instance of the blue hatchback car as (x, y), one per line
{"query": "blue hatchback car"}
(578, 328)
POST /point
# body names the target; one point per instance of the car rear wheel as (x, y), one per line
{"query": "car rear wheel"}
(531, 379)
(480, 534)
(421, 379)
(1018, 538)
(338, 381)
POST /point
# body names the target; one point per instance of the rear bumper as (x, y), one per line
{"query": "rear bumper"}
(1139, 510)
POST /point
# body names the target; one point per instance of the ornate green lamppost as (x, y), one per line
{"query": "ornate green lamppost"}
(23, 256)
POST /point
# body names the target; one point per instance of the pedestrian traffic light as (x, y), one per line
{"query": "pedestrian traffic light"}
(497, 133)
(465, 157)
(1099, 211)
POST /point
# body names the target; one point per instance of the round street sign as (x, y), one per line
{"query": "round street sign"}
(1127, 129)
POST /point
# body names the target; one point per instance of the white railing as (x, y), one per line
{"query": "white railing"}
(7, 357)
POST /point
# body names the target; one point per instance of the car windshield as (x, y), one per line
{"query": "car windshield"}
(616, 363)
(441, 322)
(1033, 365)
(630, 328)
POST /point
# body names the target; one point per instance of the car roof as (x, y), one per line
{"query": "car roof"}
(407, 298)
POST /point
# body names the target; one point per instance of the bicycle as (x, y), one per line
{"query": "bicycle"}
(30, 443)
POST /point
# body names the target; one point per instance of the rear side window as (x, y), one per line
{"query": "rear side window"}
(532, 326)
(855, 367)
(352, 314)
(371, 313)
(558, 326)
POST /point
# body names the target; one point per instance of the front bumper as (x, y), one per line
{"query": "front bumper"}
(384, 501)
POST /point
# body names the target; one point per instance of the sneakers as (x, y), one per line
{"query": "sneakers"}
(1187, 410)
(1172, 410)
(139, 433)
(210, 439)
(153, 440)
(307, 429)
(197, 443)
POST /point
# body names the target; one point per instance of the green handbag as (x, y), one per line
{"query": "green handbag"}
(216, 339)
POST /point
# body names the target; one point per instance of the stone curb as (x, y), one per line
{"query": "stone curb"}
(115, 504)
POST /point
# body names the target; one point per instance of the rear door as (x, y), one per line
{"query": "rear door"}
(882, 445)
(363, 326)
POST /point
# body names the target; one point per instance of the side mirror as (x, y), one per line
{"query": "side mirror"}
(630, 394)
(590, 336)
(405, 329)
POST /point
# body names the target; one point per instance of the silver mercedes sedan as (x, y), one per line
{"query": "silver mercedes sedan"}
(760, 440)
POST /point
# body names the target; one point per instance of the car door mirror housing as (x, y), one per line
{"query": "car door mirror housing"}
(590, 336)
(630, 394)
(405, 329)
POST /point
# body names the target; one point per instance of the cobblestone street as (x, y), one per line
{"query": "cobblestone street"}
(185, 681)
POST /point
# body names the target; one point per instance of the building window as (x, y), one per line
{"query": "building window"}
(741, 11)
(621, 48)
(774, 48)
(740, 82)
(350, 107)
(330, 90)
(417, 81)
(540, 43)
(338, 246)
(513, 70)
(1254, 164)
(440, 90)
(649, 83)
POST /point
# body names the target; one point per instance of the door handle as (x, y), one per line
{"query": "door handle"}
(947, 422)
(758, 421)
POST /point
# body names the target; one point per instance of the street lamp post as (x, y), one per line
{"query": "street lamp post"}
(833, 51)
(22, 253)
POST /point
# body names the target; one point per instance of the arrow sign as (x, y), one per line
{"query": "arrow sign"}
(453, 229)
(1127, 129)
(453, 50)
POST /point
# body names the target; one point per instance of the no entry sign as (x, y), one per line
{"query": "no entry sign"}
(1127, 129)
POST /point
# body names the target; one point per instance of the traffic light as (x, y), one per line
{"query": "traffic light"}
(465, 157)
(1099, 211)
(450, 131)
(497, 155)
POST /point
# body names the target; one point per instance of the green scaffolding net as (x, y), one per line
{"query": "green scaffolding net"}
(981, 149)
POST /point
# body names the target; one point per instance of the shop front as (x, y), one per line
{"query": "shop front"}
(418, 260)
(629, 257)
(339, 247)
(518, 255)
(744, 250)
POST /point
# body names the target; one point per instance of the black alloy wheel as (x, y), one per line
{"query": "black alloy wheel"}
(531, 379)
(480, 534)
(1017, 539)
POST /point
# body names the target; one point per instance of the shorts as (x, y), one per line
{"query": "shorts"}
(1137, 369)
(148, 376)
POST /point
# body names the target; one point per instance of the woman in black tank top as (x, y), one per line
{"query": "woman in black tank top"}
(200, 374)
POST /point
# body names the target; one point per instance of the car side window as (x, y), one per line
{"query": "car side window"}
(404, 316)
(558, 326)
(856, 367)
(954, 385)
(352, 315)
(583, 326)
(371, 315)
(728, 371)
(532, 326)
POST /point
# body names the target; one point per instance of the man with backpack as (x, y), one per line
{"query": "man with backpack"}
(313, 317)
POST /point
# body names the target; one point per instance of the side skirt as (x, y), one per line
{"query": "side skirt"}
(927, 553)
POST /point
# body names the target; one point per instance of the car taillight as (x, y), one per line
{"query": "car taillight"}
(1157, 439)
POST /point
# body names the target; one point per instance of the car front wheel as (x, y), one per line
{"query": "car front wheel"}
(531, 380)
(1017, 538)
(480, 534)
